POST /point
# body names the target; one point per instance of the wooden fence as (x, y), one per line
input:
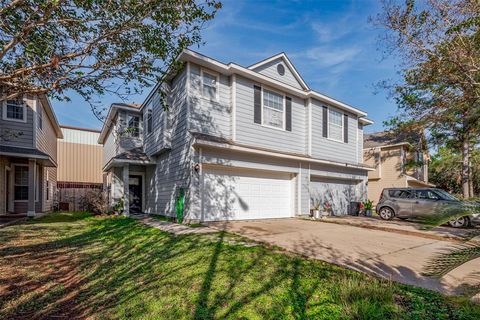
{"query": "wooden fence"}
(71, 195)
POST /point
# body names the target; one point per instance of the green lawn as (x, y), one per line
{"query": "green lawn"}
(68, 266)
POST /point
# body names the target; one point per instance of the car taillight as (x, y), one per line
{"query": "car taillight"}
(381, 196)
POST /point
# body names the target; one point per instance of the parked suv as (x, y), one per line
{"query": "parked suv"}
(423, 203)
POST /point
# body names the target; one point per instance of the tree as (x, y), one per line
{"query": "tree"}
(445, 172)
(94, 47)
(438, 42)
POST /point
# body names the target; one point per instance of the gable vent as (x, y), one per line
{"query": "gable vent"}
(280, 69)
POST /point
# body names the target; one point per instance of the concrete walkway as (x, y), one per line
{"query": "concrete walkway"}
(399, 257)
(174, 228)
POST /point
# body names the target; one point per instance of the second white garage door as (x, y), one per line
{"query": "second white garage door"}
(240, 194)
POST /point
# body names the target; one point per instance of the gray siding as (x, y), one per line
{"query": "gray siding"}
(110, 147)
(46, 137)
(270, 70)
(172, 169)
(22, 130)
(210, 116)
(324, 148)
(250, 133)
(158, 138)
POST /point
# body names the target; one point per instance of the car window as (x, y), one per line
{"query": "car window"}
(402, 194)
(426, 194)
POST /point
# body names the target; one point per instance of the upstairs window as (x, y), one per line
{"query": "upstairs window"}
(273, 109)
(335, 125)
(149, 123)
(209, 86)
(134, 126)
(14, 110)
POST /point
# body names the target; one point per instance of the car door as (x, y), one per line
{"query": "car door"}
(402, 202)
(426, 203)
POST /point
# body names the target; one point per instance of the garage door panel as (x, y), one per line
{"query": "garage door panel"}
(231, 194)
(338, 193)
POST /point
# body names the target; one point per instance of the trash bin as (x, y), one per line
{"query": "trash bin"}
(354, 208)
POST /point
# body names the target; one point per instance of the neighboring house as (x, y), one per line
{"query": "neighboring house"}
(236, 143)
(80, 160)
(399, 161)
(28, 155)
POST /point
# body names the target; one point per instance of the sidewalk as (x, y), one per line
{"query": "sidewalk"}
(174, 228)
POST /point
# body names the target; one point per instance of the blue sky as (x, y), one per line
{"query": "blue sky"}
(331, 44)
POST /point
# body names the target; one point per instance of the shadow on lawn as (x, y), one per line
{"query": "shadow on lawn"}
(117, 268)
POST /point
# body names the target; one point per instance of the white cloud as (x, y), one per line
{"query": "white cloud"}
(329, 56)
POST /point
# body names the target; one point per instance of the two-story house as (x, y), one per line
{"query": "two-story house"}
(400, 161)
(235, 143)
(28, 155)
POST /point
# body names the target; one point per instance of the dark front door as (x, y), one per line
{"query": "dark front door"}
(135, 191)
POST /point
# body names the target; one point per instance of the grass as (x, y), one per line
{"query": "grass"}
(73, 265)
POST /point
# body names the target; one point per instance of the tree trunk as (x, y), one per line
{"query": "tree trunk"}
(465, 168)
(470, 179)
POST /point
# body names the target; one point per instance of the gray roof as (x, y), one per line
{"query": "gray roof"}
(136, 154)
(388, 138)
(23, 151)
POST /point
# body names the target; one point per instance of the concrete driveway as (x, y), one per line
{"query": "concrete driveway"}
(386, 254)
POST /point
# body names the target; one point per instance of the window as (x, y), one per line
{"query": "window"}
(402, 194)
(21, 183)
(40, 118)
(273, 109)
(335, 125)
(14, 110)
(209, 86)
(133, 126)
(426, 194)
(48, 190)
(149, 120)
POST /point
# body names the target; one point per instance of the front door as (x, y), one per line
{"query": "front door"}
(135, 192)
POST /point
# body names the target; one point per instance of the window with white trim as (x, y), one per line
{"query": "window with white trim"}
(38, 181)
(15, 110)
(21, 183)
(134, 126)
(209, 85)
(335, 125)
(273, 109)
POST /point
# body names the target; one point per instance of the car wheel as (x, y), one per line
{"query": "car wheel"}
(461, 222)
(386, 213)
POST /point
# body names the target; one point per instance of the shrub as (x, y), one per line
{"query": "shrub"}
(96, 202)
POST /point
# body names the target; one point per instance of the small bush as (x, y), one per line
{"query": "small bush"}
(96, 202)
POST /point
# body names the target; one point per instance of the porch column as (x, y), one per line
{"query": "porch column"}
(32, 183)
(126, 191)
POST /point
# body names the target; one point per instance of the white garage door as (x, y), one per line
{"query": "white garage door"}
(338, 193)
(239, 194)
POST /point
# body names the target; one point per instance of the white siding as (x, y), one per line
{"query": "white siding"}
(80, 136)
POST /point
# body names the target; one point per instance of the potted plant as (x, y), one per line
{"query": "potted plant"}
(118, 206)
(316, 209)
(367, 208)
(327, 209)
